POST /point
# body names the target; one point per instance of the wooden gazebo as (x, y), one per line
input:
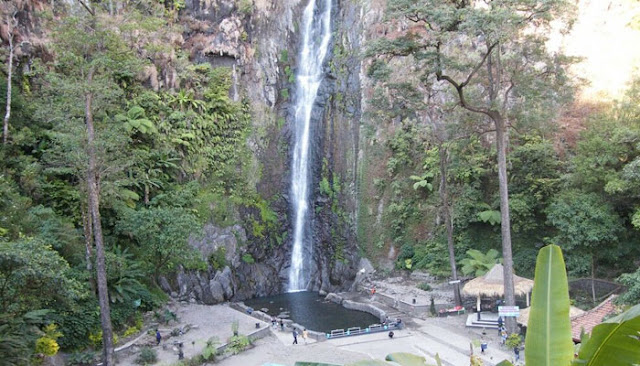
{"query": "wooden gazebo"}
(492, 284)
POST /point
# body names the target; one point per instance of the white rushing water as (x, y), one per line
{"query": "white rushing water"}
(316, 35)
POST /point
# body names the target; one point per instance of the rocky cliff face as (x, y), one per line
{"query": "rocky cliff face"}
(260, 41)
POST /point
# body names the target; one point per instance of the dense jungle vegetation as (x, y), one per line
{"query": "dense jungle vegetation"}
(95, 160)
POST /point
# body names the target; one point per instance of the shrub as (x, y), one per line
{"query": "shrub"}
(513, 340)
(248, 258)
(47, 346)
(238, 344)
(95, 338)
(218, 259)
(210, 350)
(81, 358)
(147, 356)
(130, 331)
(424, 286)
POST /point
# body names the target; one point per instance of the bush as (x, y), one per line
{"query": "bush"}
(248, 258)
(147, 356)
(81, 358)
(47, 346)
(513, 340)
(130, 331)
(238, 344)
(218, 259)
(424, 286)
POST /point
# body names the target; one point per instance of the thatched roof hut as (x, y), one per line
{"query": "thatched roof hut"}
(492, 284)
(523, 318)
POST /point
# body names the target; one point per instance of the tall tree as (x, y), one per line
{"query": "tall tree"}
(494, 55)
(11, 23)
(587, 226)
(84, 87)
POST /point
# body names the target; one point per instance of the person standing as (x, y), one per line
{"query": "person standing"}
(158, 337)
(500, 324)
(295, 336)
(281, 325)
(305, 334)
(516, 350)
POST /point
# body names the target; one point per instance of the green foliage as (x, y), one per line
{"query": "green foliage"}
(513, 340)
(379, 71)
(81, 358)
(587, 226)
(248, 258)
(161, 234)
(424, 286)
(47, 346)
(479, 263)
(245, 6)
(632, 283)
(28, 270)
(548, 340)
(218, 259)
(210, 349)
(491, 217)
(18, 336)
(147, 356)
(614, 342)
(238, 343)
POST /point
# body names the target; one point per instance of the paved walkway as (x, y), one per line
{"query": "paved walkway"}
(426, 338)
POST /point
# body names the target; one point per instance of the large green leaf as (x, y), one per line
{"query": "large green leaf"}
(616, 342)
(548, 340)
(505, 363)
(369, 363)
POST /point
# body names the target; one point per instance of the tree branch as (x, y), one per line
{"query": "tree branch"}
(87, 7)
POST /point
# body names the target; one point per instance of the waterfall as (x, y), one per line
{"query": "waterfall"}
(316, 35)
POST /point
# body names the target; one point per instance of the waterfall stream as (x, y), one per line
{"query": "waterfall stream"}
(316, 28)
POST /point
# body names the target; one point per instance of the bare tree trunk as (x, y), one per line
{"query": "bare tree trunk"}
(94, 209)
(88, 242)
(146, 195)
(5, 125)
(505, 225)
(593, 277)
(444, 196)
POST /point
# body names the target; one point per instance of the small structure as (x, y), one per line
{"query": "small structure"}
(591, 318)
(492, 284)
(523, 318)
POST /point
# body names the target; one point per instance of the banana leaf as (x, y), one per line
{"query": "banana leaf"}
(369, 363)
(615, 342)
(505, 363)
(548, 341)
(406, 359)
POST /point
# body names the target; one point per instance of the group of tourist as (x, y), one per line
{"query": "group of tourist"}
(305, 334)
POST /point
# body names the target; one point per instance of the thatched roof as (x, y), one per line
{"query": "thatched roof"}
(523, 318)
(492, 284)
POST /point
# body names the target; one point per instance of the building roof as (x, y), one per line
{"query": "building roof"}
(591, 318)
(523, 318)
(492, 284)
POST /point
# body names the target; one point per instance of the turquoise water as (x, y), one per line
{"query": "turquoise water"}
(313, 311)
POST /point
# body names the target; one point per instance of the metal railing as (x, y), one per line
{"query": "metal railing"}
(373, 328)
